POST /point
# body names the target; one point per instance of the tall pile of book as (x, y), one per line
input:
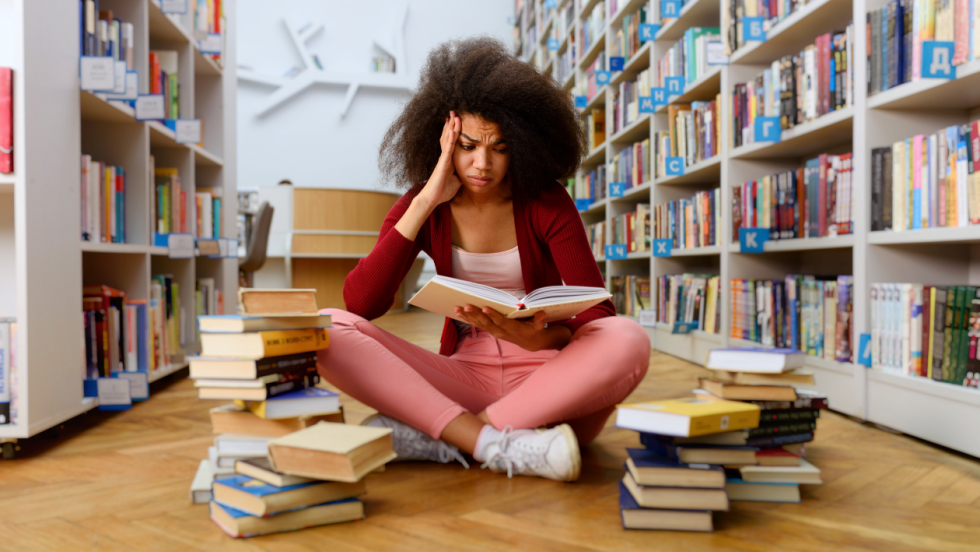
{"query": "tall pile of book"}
(767, 379)
(689, 298)
(809, 313)
(689, 223)
(702, 452)
(282, 459)
(797, 88)
(897, 30)
(926, 331)
(668, 484)
(813, 201)
(927, 181)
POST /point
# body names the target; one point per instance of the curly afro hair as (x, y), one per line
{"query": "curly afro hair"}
(478, 76)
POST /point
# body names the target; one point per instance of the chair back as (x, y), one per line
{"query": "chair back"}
(259, 242)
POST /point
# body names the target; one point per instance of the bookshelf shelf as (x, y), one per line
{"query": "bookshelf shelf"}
(166, 371)
(636, 193)
(703, 89)
(696, 251)
(596, 156)
(708, 170)
(569, 83)
(796, 32)
(811, 137)
(635, 64)
(597, 206)
(935, 411)
(593, 52)
(598, 99)
(586, 9)
(634, 256)
(625, 8)
(637, 130)
(699, 13)
(802, 244)
(47, 269)
(961, 93)
(966, 234)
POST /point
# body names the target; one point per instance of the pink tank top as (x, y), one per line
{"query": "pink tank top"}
(499, 270)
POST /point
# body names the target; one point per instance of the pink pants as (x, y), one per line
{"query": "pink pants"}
(581, 384)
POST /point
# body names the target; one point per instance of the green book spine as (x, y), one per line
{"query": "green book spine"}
(949, 341)
(964, 344)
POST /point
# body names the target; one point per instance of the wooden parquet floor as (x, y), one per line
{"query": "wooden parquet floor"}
(119, 481)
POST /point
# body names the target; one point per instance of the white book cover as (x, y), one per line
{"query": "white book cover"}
(906, 337)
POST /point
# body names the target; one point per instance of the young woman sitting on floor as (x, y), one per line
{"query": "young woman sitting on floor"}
(481, 147)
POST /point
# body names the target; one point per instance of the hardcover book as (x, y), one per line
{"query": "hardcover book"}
(651, 469)
(687, 417)
(636, 517)
(333, 452)
(240, 524)
(263, 344)
(261, 499)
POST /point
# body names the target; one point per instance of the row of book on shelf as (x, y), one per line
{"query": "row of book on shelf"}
(692, 58)
(807, 202)
(123, 334)
(103, 204)
(630, 229)
(742, 436)
(689, 223)
(692, 135)
(630, 294)
(797, 88)
(926, 331)
(689, 298)
(813, 314)
(897, 30)
(283, 457)
(927, 181)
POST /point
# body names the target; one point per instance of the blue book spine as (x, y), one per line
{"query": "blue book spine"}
(142, 346)
(216, 218)
(884, 49)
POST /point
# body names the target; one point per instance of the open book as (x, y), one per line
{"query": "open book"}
(442, 294)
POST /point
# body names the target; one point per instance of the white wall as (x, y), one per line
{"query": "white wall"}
(305, 140)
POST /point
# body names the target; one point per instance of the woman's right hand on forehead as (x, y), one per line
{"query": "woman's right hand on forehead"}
(443, 183)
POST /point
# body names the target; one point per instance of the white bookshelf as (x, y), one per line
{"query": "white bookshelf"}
(43, 261)
(937, 412)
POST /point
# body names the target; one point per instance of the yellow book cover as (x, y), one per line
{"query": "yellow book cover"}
(264, 344)
(687, 417)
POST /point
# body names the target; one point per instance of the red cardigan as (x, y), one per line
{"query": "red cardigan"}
(550, 238)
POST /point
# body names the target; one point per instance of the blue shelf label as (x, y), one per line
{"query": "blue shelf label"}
(602, 77)
(751, 240)
(659, 96)
(768, 129)
(616, 63)
(616, 189)
(675, 85)
(752, 29)
(684, 328)
(937, 60)
(662, 247)
(647, 105)
(552, 43)
(648, 31)
(583, 204)
(581, 102)
(675, 166)
(670, 9)
(864, 350)
(616, 251)
(550, 4)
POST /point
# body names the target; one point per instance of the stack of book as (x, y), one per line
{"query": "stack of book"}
(765, 379)
(304, 479)
(668, 484)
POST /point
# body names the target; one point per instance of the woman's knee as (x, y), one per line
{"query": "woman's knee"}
(628, 342)
(340, 317)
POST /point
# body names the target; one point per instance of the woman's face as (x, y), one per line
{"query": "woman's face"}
(481, 156)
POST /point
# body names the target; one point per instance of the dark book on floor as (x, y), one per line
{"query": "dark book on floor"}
(735, 438)
(651, 469)
(257, 390)
(244, 368)
(635, 517)
(702, 453)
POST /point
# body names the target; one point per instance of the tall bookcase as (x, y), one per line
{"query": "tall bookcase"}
(942, 413)
(43, 261)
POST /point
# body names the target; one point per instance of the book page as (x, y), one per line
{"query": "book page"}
(561, 310)
(442, 295)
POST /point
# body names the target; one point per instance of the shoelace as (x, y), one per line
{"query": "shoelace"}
(408, 438)
(506, 436)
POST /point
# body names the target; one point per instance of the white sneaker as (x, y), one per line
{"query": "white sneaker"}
(551, 453)
(412, 444)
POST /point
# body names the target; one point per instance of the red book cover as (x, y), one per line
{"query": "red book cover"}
(824, 54)
(183, 211)
(6, 120)
(154, 73)
(801, 210)
(217, 16)
(961, 31)
(822, 196)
